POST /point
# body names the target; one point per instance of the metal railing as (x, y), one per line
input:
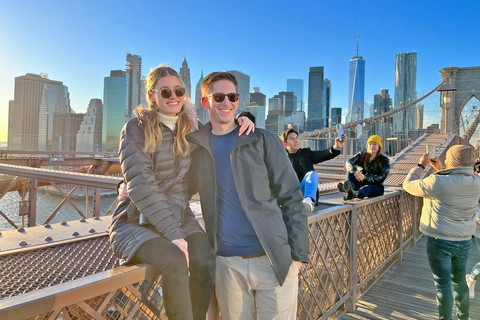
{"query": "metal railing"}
(350, 247)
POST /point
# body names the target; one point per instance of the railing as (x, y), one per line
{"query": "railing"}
(350, 248)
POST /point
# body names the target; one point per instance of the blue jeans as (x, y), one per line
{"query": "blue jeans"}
(309, 185)
(448, 260)
(365, 189)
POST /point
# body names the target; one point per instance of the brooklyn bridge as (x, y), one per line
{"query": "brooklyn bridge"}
(367, 258)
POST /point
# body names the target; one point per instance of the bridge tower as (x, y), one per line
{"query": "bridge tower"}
(461, 85)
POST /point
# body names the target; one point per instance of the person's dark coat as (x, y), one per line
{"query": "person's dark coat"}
(375, 172)
(304, 159)
(268, 191)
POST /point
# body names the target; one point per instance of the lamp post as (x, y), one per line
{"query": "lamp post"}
(446, 92)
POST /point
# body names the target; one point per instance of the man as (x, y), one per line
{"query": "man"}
(252, 208)
(303, 160)
(448, 219)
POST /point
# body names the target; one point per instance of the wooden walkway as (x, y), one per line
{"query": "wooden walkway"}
(406, 291)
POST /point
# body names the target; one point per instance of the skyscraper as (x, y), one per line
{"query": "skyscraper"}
(257, 111)
(420, 109)
(257, 97)
(185, 76)
(382, 103)
(275, 121)
(114, 103)
(289, 101)
(203, 115)
(356, 88)
(276, 103)
(243, 86)
(405, 91)
(65, 129)
(296, 85)
(336, 116)
(55, 100)
(23, 122)
(134, 78)
(89, 136)
(327, 87)
(315, 99)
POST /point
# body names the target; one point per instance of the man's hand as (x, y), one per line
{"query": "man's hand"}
(358, 175)
(298, 264)
(425, 160)
(245, 124)
(182, 245)
(340, 144)
(436, 164)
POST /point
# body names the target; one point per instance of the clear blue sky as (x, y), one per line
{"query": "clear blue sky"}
(80, 42)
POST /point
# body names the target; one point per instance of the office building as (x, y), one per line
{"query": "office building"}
(420, 109)
(24, 116)
(335, 116)
(243, 86)
(135, 84)
(289, 102)
(296, 121)
(356, 88)
(382, 103)
(89, 135)
(276, 103)
(257, 111)
(55, 100)
(257, 97)
(327, 87)
(275, 121)
(405, 91)
(185, 76)
(65, 129)
(316, 117)
(114, 105)
(296, 85)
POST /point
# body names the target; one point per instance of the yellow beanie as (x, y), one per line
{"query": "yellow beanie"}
(376, 139)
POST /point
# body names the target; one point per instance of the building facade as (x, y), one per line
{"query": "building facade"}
(133, 75)
(356, 89)
(275, 121)
(185, 76)
(257, 111)
(316, 118)
(114, 103)
(65, 129)
(296, 85)
(24, 113)
(382, 103)
(327, 87)
(257, 97)
(405, 91)
(89, 135)
(420, 109)
(289, 101)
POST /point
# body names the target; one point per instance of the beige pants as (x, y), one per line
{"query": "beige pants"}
(247, 289)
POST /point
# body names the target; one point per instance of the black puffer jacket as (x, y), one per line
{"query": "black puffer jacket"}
(375, 172)
(304, 159)
(157, 187)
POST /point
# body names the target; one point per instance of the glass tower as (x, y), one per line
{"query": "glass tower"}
(243, 86)
(356, 89)
(296, 85)
(405, 91)
(114, 103)
(315, 99)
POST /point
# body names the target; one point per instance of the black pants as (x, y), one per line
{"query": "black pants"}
(185, 298)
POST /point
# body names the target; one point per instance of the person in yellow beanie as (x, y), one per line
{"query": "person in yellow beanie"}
(366, 172)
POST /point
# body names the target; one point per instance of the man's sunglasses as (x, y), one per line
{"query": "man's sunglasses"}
(219, 97)
(167, 93)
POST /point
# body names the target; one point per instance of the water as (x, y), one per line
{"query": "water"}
(46, 204)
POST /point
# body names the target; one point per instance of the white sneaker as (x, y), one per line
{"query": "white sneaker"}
(471, 286)
(308, 204)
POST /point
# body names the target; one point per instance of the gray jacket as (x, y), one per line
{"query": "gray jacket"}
(268, 190)
(157, 187)
(450, 201)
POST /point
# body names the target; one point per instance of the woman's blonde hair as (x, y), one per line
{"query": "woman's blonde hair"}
(149, 118)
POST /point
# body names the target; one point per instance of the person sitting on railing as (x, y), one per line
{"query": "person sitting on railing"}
(154, 224)
(450, 199)
(366, 172)
(303, 160)
(473, 275)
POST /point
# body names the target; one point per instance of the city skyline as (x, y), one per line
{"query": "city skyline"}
(81, 47)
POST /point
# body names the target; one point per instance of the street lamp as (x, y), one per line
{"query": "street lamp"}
(446, 91)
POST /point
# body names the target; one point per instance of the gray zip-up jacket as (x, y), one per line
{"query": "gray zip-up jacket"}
(269, 193)
(450, 201)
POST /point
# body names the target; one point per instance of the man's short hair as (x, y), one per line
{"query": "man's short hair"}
(214, 77)
(285, 134)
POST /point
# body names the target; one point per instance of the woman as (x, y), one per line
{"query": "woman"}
(155, 224)
(366, 172)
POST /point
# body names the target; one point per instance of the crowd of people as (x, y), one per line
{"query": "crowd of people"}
(256, 194)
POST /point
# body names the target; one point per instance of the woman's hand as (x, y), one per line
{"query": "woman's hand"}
(298, 264)
(122, 191)
(183, 246)
(245, 124)
(358, 175)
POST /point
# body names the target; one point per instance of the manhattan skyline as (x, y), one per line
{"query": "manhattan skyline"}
(79, 43)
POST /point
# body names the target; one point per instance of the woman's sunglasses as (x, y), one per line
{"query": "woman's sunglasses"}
(219, 97)
(167, 93)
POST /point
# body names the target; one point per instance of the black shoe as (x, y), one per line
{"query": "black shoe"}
(347, 186)
(340, 187)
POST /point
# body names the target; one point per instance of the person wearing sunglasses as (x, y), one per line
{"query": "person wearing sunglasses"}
(153, 222)
(252, 208)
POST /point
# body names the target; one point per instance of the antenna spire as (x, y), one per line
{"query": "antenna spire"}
(357, 43)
